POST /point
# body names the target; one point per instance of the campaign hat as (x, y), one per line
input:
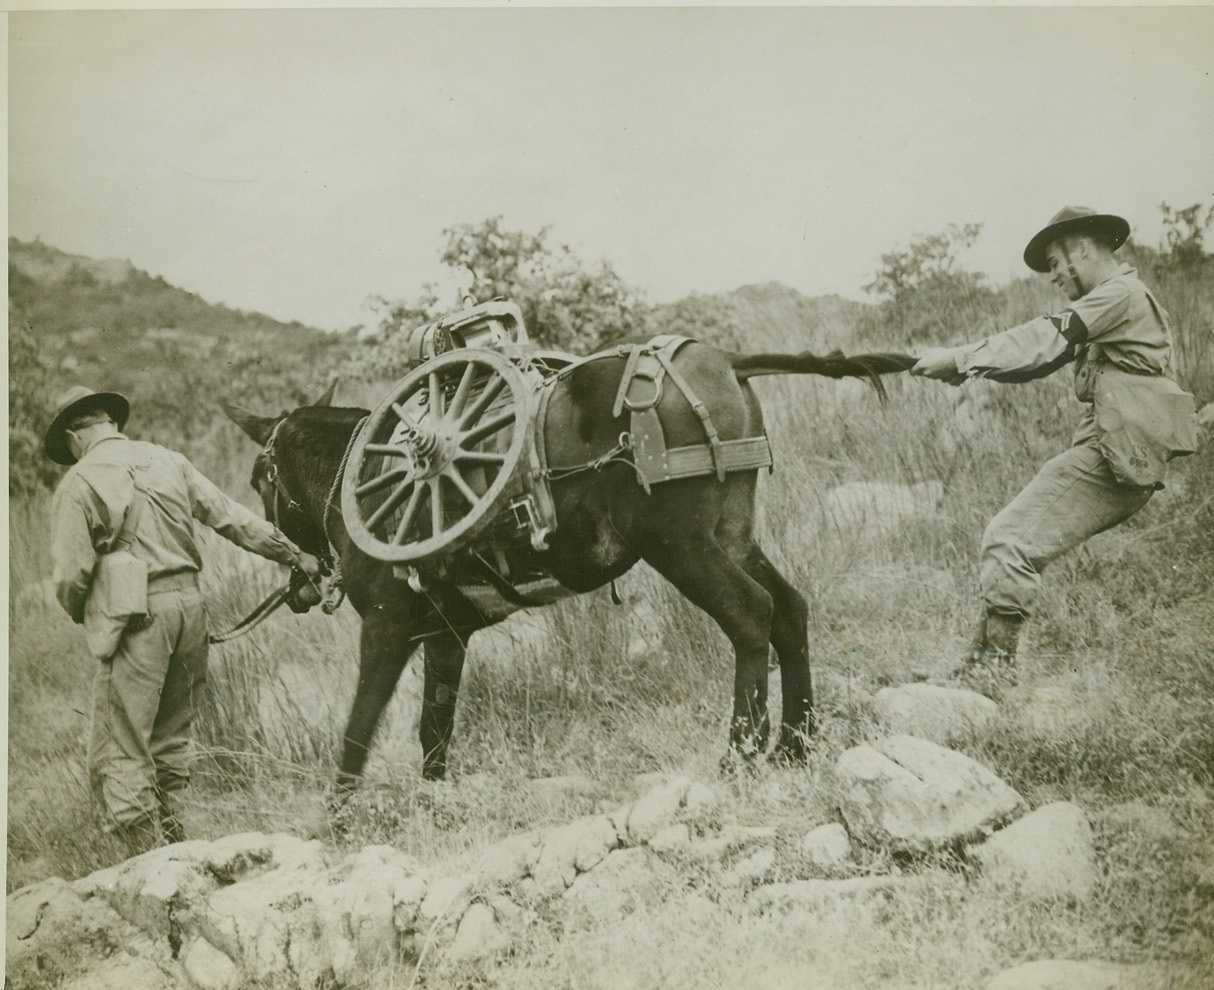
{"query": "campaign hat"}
(1112, 229)
(75, 402)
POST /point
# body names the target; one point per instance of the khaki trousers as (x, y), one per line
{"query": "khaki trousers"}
(1073, 497)
(143, 706)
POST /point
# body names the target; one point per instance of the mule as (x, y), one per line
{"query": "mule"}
(697, 532)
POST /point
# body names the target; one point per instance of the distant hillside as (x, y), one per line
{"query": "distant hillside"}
(768, 317)
(109, 325)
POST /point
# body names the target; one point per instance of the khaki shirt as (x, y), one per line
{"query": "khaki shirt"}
(1125, 326)
(93, 498)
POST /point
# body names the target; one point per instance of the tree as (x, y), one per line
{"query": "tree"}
(1185, 231)
(926, 293)
(566, 302)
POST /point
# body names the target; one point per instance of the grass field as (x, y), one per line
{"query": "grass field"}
(1126, 629)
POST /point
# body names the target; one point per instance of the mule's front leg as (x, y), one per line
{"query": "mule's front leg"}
(384, 648)
(444, 668)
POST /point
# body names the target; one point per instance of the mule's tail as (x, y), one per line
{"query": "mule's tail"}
(836, 364)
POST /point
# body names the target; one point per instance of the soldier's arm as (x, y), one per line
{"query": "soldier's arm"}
(79, 522)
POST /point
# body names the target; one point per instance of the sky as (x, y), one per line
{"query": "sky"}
(300, 162)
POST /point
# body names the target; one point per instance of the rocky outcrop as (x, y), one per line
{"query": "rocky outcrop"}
(1048, 854)
(253, 907)
(916, 796)
(277, 910)
(939, 714)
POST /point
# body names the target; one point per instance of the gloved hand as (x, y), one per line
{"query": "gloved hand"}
(939, 363)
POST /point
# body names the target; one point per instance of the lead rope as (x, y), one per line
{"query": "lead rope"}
(336, 592)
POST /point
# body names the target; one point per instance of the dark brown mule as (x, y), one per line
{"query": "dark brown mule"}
(697, 532)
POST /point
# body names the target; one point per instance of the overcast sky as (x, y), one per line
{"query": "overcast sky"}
(296, 162)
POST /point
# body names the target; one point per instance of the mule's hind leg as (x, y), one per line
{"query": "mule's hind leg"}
(384, 648)
(709, 578)
(444, 668)
(790, 637)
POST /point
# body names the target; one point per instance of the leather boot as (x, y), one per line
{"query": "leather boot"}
(138, 836)
(989, 665)
(171, 825)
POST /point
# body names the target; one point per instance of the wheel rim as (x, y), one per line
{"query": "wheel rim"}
(430, 465)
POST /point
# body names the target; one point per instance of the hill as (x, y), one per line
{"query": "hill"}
(110, 325)
(765, 317)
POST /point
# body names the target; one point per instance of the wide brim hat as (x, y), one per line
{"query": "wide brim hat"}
(73, 403)
(1075, 220)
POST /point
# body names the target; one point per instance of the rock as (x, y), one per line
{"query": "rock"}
(572, 849)
(675, 838)
(730, 838)
(751, 870)
(1045, 855)
(1055, 974)
(207, 968)
(644, 818)
(1205, 415)
(510, 860)
(625, 880)
(826, 846)
(446, 900)
(915, 795)
(122, 972)
(939, 714)
(51, 931)
(478, 937)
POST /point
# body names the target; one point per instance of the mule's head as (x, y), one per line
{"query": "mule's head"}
(282, 504)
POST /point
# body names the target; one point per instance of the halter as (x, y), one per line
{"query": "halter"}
(330, 564)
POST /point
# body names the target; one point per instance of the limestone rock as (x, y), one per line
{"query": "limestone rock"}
(572, 849)
(826, 846)
(479, 936)
(750, 870)
(939, 714)
(1046, 854)
(915, 795)
(625, 880)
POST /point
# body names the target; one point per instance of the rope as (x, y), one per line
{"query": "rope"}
(614, 455)
(337, 591)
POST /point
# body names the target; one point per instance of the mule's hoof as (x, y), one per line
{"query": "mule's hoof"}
(789, 757)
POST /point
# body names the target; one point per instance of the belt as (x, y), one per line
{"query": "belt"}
(181, 581)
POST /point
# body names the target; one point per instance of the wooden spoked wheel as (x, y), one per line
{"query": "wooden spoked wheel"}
(430, 465)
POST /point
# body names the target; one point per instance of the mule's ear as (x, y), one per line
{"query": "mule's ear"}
(258, 428)
(327, 398)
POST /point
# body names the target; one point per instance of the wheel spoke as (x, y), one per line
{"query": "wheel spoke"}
(487, 429)
(486, 457)
(436, 506)
(452, 474)
(410, 513)
(390, 449)
(461, 393)
(404, 415)
(436, 396)
(383, 481)
(492, 390)
(389, 505)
